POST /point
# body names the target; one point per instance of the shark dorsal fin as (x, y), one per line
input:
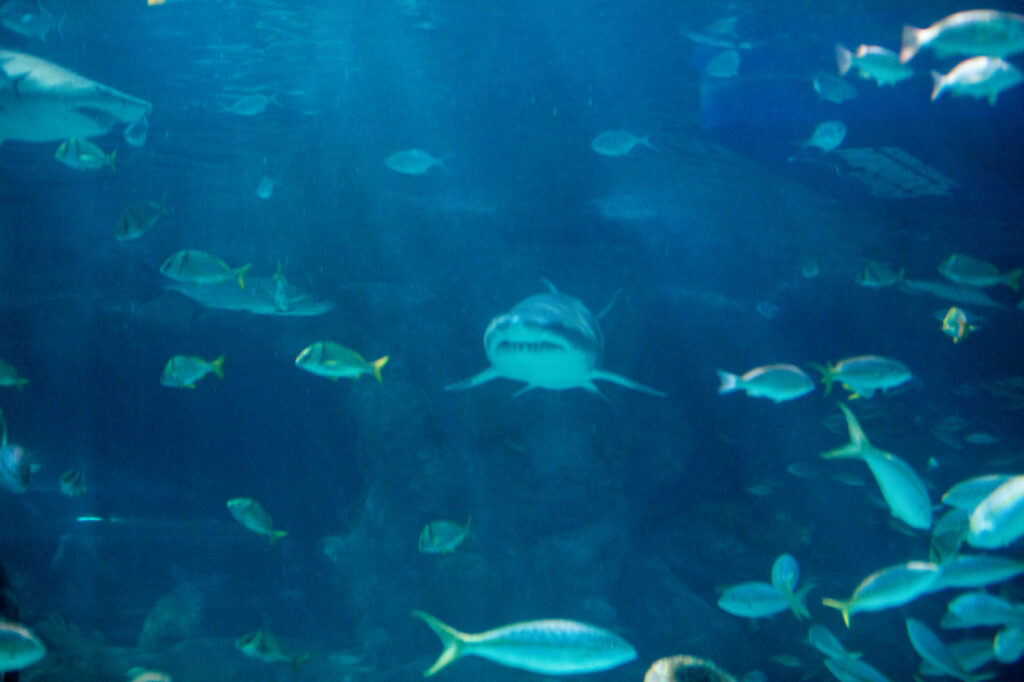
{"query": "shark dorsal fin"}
(857, 437)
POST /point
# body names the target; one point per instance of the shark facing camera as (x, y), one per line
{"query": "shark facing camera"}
(551, 341)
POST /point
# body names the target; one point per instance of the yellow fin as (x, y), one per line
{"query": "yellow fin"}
(276, 535)
(218, 366)
(451, 639)
(843, 606)
(240, 274)
(377, 364)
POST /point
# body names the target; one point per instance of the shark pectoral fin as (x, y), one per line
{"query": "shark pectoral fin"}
(474, 381)
(603, 375)
(524, 389)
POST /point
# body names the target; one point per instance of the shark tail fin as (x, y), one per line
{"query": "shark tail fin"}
(452, 640)
(377, 364)
(623, 381)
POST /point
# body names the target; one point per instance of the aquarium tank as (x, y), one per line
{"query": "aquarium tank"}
(511, 341)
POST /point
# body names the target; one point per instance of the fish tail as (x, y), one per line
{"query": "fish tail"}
(299, 660)
(827, 375)
(276, 535)
(377, 364)
(938, 81)
(798, 602)
(20, 382)
(728, 382)
(911, 43)
(110, 160)
(646, 141)
(452, 640)
(844, 58)
(218, 366)
(1013, 279)
(843, 606)
(240, 274)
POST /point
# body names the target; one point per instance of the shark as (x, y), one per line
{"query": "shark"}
(549, 340)
(43, 102)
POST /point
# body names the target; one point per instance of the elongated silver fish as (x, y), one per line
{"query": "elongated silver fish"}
(549, 647)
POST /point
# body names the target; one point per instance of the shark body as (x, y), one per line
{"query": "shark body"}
(43, 102)
(548, 340)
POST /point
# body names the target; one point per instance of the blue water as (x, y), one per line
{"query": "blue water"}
(629, 512)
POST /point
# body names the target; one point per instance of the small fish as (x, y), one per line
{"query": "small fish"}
(183, 371)
(853, 670)
(948, 535)
(831, 88)
(723, 65)
(970, 571)
(980, 439)
(140, 674)
(71, 483)
(826, 137)
(902, 488)
(199, 267)
(135, 133)
(265, 647)
(878, 275)
(979, 32)
(334, 361)
(889, 587)
(442, 537)
(9, 376)
(618, 143)
(777, 382)
(1009, 645)
(19, 647)
(865, 374)
(810, 268)
(251, 514)
(968, 494)
(251, 105)
(753, 600)
(998, 520)
(951, 292)
(769, 310)
(978, 77)
(785, 576)
(978, 273)
(931, 649)
(140, 218)
(981, 609)
(548, 647)
(81, 154)
(971, 653)
(872, 62)
(413, 162)
(822, 639)
(265, 187)
(955, 325)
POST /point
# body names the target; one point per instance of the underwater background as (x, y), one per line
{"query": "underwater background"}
(732, 247)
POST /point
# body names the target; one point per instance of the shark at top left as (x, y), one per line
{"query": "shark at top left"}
(43, 102)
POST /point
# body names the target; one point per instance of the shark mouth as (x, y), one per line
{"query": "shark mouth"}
(547, 341)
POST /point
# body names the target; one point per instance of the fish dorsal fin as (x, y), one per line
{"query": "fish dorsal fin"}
(549, 285)
(857, 437)
(608, 307)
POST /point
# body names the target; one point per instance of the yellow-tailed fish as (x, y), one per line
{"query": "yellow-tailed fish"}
(140, 218)
(81, 154)
(864, 374)
(251, 514)
(975, 272)
(548, 647)
(442, 537)
(199, 267)
(901, 487)
(265, 647)
(887, 588)
(183, 371)
(334, 361)
(776, 382)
